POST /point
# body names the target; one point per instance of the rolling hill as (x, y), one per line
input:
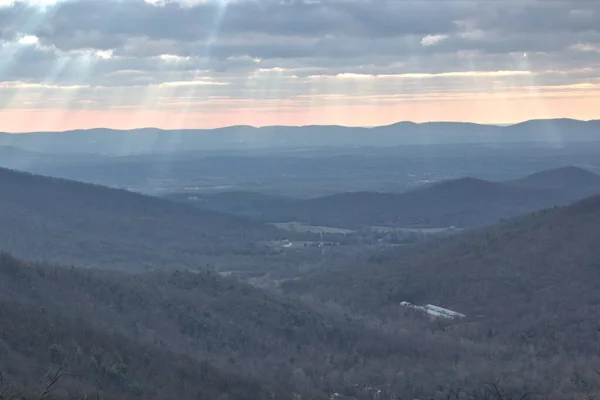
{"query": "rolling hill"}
(198, 335)
(102, 364)
(160, 335)
(168, 324)
(565, 178)
(527, 286)
(182, 334)
(152, 140)
(251, 204)
(465, 202)
(14, 154)
(74, 223)
(530, 283)
(546, 260)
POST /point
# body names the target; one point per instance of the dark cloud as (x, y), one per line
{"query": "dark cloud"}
(119, 43)
(106, 24)
(542, 16)
(203, 21)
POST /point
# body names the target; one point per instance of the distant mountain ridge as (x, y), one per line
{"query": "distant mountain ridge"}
(154, 140)
(464, 202)
(561, 178)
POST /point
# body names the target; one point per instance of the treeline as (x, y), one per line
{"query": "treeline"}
(101, 364)
(199, 336)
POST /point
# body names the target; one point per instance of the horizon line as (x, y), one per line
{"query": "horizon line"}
(500, 125)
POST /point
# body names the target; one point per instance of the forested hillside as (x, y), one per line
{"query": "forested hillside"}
(252, 204)
(465, 202)
(530, 283)
(540, 270)
(74, 223)
(234, 327)
(567, 178)
(110, 327)
(60, 357)
(186, 335)
(527, 287)
(216, 200)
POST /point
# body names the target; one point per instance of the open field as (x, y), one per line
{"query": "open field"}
(426, 231)
(305, 228)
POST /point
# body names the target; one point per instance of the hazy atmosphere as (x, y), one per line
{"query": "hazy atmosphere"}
(299, 200)
(205, 64)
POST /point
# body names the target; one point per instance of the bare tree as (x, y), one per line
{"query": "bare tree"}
(490, 391)
(5, 389)
(52, 381)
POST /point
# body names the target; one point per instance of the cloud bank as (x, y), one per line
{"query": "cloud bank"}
(220, 62)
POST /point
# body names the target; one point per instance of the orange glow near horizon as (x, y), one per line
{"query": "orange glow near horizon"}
(487, 111)
(465, 63)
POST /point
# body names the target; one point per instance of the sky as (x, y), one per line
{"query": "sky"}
(208, 63)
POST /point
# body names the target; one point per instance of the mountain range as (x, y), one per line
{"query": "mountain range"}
(528, 288)
(152, 140)
(465, 202)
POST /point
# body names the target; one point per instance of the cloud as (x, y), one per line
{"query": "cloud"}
(192, 83)
(430, 40)
(459, 74)
(120, 53)
(585, 47)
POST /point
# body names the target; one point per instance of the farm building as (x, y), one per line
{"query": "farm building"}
(434, 311)
(442, 312)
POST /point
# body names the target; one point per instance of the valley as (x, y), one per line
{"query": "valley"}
(299, 200)
(458, 285)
